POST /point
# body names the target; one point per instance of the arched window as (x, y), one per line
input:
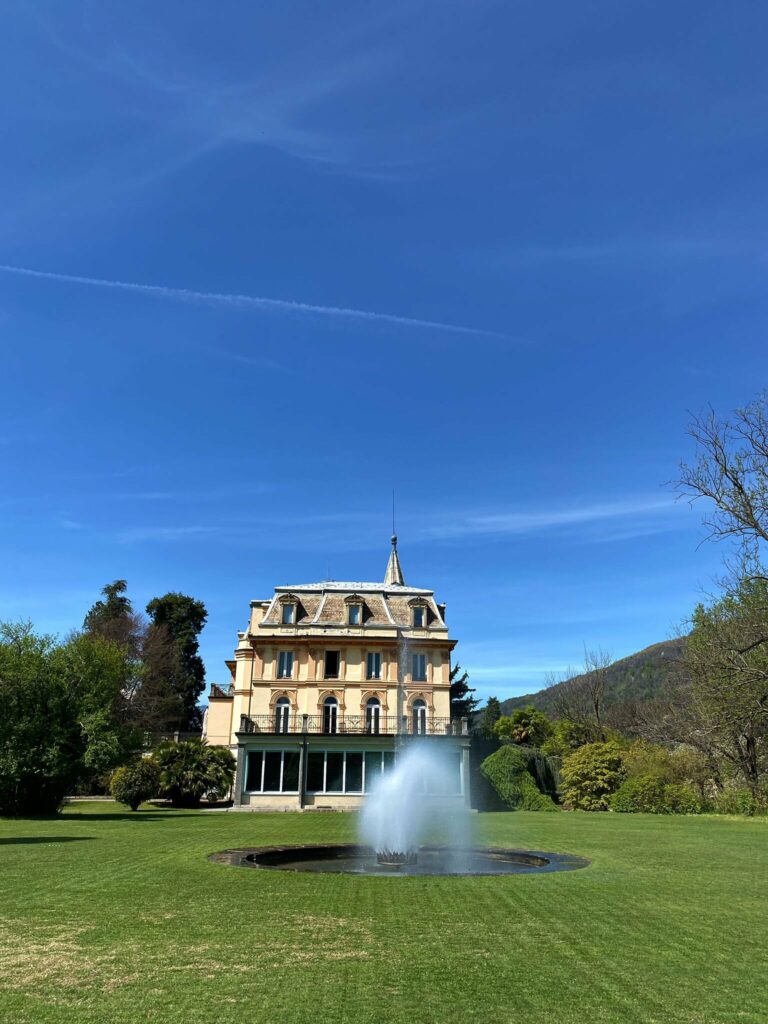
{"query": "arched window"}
(330, 714)
(373, 716)
(282, 714)
(419, 717)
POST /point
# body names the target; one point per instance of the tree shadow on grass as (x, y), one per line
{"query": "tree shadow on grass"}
(125, 816)
(29, 840)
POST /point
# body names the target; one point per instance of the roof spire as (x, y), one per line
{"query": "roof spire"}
(394, 573)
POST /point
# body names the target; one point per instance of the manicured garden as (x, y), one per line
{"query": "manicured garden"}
(109, 916)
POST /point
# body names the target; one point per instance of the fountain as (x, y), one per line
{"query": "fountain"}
(410, 825)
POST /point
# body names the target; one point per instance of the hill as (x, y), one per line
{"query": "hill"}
(638, 677)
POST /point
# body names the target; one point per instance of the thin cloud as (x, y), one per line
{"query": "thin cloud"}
(256, 302)
(544, 519)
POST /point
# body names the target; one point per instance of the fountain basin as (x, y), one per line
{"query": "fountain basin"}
(349, 858)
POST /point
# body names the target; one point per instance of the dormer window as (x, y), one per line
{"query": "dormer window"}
(354, 605)
(289, 609)
(419, 614)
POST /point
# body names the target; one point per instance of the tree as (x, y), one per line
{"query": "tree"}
(114, 618)
(726, 661)
(526, 726)
(581, 698)
(58, 724)
(134, 783)
(191, 770)
(462, 703)
(731, 471)
(184, 618)
(591, 775)
(489, 717)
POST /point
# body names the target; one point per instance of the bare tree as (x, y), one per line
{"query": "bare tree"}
(731, 471)
(581, 697)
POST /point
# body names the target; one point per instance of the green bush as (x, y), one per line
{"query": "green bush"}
(739, 800)
(591, 775)
(682, 799)
(136, 782)
(191, 771)
(647, 794)
(508, 774)
(525, 726)
(641, 795)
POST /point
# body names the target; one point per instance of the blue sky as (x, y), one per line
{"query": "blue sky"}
(288, 256)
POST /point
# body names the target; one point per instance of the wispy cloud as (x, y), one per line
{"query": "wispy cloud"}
(246, 302)
(534, 520)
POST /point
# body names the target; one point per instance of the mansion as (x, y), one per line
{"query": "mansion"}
(328, 682)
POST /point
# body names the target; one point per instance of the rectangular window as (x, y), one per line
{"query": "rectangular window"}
(331, 664)
(253, 775)
(334, 771)
(291, 760)
(419, 668)
(353, 779)
(372, 768)
(373, 665)
(272, 771)
(272, 767)
(418, 618)
(316, 772)
(285, 665)
(288, 614)
(339, 771)
(387, 760)
(354, 615)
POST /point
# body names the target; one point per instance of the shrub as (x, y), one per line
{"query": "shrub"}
(507, 772)
(643, 794)
(647, 794)
(136, 782)
(682, 799)
(191, 770)
(739, 800)
(567, 736)
(591, 775)
(525, 726)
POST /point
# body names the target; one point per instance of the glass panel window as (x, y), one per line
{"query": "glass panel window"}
(330, 714)
(419, 712)
(272, 763)
(290, 771)
(373, 715)
(331, 664)
(253, 774)
(418, 618)
(419, 667)
(282, 714)
(354, 614)
(272, 771)
(289, 614)
(316, 771)
(372, 768)
(285, 665)
(387, 760)
(334, 771)
(373, 665)
(353, 781)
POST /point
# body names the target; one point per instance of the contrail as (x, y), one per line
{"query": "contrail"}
(248, 301)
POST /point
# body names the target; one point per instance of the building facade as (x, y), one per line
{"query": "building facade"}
(328, 683)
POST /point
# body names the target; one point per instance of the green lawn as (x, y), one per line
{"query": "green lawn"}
(119, 917)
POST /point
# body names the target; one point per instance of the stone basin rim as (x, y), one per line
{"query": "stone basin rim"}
(289, 857)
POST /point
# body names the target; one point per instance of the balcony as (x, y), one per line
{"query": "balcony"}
(352, 725)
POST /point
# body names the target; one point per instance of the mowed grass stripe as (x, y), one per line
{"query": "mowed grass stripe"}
(132, 922)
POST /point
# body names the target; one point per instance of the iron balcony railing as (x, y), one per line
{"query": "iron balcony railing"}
(353, 725)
